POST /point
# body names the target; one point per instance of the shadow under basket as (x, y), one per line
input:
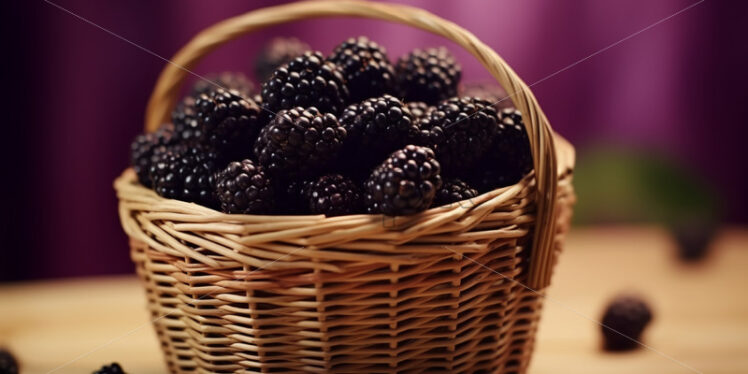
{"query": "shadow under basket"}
(454, 289)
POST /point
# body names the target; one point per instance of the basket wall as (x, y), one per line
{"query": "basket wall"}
(426, 310)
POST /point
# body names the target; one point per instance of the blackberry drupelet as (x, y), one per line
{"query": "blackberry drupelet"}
(299, 142)
(492, 92)
(333, 195)
(227, 80)
(143, 147)
(8, 363)
(452, 191)
(429, 75)
(460, 130)
(627, 315)
(376, 127)
(184, 118)
(185, 173)
(277, 52)
(229, 124)
(243, 188)
(418, 109)
(112, 368)
(306, 81)
(366, 67)
(509, 158)
(405, 183)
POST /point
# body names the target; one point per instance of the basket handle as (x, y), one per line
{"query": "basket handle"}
(164, 96)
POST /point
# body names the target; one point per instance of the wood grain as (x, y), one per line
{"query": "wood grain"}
(701, 312)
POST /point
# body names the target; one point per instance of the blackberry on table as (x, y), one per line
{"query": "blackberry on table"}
(112, 368)
(460, 130)
(277, 52)
(366, 67)
(243, 188)
(452, 191)
(405, 183)
(8, 363)
(624, 321)
(185, 173)
(143, 148)
(333, 195)
(228, 123)
(376, 127)
(299, 142)
(306, 81)
(509, 158)
(429, 75)
(418, 109)
(227, 80)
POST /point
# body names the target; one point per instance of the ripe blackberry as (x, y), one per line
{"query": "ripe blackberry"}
(488, 91)
(243, 188)
(366, 67)
(229, 81)
(185, 173)
(624, 321)
(429, 75)
(298, 142)
(333, 195)
(405, 183)
(143, 147)
(184, 118)
(460, 130)
(488, 177)
(289, 195)
(228, 123)
(509, 158)
(418, 109)
(112, 368)
(452, 191)
(277, 52)
(376, 127)
(306, 81)
(8, 363)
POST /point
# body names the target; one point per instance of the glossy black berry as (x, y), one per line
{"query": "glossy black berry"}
(623, 322)
(405, 183)
(244, 188)
(366, 67)
(333, 195)
(299, 142)
(184, 117)
(228, 81)
(429, 75)
(307, 81)
(509, 157)
(228, 123)
(277, 52)
(492, 92)
(453, 191)
(418, 109)
(460, 130)
(143, 147)
(185, 173)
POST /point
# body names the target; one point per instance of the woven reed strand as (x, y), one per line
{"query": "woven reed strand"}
(440, 291)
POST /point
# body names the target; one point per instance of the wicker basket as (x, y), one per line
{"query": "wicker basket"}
(455, 289)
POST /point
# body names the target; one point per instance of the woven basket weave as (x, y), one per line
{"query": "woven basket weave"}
(455, 289)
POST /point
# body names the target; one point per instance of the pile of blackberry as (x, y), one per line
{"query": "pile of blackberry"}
(347, 133)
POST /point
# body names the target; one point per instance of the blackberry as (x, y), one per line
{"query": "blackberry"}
(277, 52)
(452, 191)
(488, 91)
(429, 75)
(489, 177)
(333, 195)
(298, 142)
(112, 368)
(229, 81)
(185, 173)
(460, 130)
(509, 158)
(228, 123)
(243, 188)
(184, 118)
(289, 195)
(143, 147)
(418, 109)
(624, 321)
(8, 363)
(366, 67)
(376, 127)
(405, 183)
(306, 81)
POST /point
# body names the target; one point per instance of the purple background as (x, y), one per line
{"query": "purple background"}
(77, 96)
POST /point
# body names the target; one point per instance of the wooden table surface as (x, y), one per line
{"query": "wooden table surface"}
(701, 312)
